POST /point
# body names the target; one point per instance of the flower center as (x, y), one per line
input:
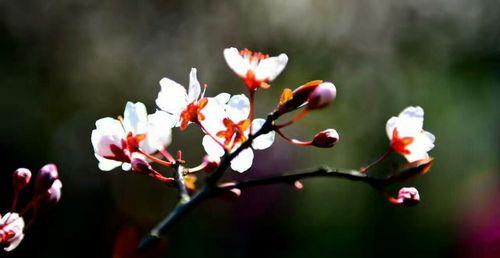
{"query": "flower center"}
(400, 144)
(192, 113)
(234, 133)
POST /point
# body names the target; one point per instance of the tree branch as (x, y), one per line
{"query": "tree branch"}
(216, 190)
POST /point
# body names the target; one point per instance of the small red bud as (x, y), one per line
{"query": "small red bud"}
(408, 196)
(322, 95)
(141, 166)
(21, 178)
(210, 164)
(45, 178)
(326, 139)
(298, 185)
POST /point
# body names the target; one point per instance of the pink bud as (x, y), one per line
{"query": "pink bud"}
(46, 177)
(52, 196)
(322, 95)
(21, 178)
(408, 196)
(326, 139)
(141, 166)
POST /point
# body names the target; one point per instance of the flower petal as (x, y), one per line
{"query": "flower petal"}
(264, 141)
(243, 161)
(410, 121)
(390, 125)
(107, 164)
(238, 108)
(214, 113)
(135, 118)
(172, 97)
(269, 68)
(159, 132)
(236, 62)
(194, 86)
(212, 148)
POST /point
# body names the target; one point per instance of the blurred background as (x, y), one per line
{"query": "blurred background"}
(65, 64)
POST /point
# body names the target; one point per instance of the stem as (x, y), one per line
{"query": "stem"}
(157, 160)
(299, 116)
(252, 109)
(179, 177)
(380, 159)
(294, 141)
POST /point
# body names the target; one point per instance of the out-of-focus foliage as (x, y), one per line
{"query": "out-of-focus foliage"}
(67, 63)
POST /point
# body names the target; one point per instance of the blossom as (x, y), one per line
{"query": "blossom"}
(115, 140)
(11, 231)
(407, 196)
(256, 69)
(184, 106)
(227, 121)
(407, 136)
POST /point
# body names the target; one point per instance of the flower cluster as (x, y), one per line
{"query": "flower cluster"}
(47, 194)
(231, 133)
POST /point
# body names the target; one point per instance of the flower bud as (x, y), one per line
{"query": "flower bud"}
(325, 139)
(408, 196)
(45, 178)
(141, 166)
(322, 95)
(52, 196)
(211, 164)
(291, 100)
(21, 178)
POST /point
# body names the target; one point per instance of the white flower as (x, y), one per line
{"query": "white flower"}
(11, 231)
(255, 68)
(114, 140)
(407, 136)
(184, 106)
(227, 121)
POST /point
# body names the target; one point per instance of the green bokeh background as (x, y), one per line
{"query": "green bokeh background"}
(66, 64)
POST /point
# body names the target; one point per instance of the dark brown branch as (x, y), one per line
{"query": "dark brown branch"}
(212, 191)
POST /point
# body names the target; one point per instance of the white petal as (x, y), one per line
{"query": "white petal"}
(107, 164)
(238, 108)
(236, 62)
(223, 98)
(243, 161)
(264, 141)
(159, 131)
(110, 126)
(270, 68)
(212, 148)
(126, 166)
(135, 118)
(102, 143)
(194, 86)
(172, 97)
(390, 125)
(410, 122)
(214, 114)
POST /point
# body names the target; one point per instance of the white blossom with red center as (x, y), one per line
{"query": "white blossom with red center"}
(256, 69)
(228, 125)
(11, 231)
(407, 136)
(184, 106)
(116, 140)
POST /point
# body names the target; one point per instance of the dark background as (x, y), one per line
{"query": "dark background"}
(65, 64)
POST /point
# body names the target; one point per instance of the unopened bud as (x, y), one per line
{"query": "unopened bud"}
(141, 166)
(322, 95)
(52, 196)
(46, 177)
(211, 164)
(408, 196)
(292, 100)
(21, 178)
(325, 139)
